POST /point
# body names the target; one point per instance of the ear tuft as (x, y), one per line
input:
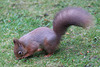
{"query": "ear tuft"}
(15, 41)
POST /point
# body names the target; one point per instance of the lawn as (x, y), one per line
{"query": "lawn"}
(79, 48)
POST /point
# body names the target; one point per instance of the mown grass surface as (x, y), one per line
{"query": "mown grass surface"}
(80, 48)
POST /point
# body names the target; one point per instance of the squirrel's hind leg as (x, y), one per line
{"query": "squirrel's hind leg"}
(39, 49)
(49, 47)
(48, 55)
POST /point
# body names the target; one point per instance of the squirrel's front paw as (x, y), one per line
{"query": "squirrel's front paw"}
(48, 55)
(23, 57)
(17, 58)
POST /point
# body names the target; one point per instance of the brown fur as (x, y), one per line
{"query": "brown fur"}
(48, 39)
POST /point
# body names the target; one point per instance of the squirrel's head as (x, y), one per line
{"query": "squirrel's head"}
(19, 49)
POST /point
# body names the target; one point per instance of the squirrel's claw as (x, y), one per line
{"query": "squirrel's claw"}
(48, 55)
(17, 58)
(23, 57)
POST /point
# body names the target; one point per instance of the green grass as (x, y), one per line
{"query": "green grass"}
(81, 48)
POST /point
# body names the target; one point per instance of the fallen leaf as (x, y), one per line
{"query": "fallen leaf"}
(87, 51)
(9, 21)
(81, 53)
(13, 6)
(73, 60)
(3, 51)
(45, 20)
(67, 33)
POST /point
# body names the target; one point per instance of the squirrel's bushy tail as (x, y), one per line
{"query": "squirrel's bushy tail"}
(71, 16)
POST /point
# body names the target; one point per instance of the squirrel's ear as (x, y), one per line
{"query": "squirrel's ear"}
(15, 41)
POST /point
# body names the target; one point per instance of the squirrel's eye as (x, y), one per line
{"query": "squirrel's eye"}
(20, 52)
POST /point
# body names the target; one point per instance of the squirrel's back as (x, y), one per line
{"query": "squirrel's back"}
(38, 35)
(71, 16)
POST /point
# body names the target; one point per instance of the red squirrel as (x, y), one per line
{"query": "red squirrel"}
(48, 39)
